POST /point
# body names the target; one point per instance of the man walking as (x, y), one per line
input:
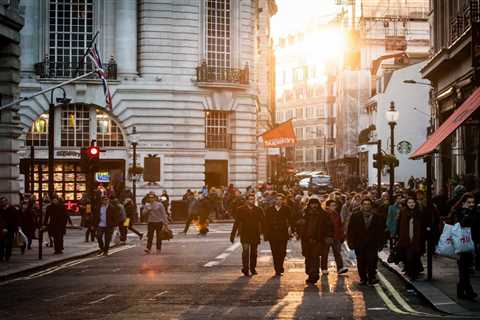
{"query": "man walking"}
(156, 218)
(248, 224)
(56, 220)
(315, 230)
(366, 235)
(338, 238)
(276, 231)
(106, 218)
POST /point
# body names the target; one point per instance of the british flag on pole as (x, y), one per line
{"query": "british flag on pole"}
(93, 55)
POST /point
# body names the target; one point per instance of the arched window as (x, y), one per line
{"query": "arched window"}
(108, 132)
(38, 133)
(75, 128)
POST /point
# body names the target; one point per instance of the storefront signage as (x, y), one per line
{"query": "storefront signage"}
(404, 147)
(102, 177)
(68, 153)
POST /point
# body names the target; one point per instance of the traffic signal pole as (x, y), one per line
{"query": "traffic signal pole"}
(379, 168)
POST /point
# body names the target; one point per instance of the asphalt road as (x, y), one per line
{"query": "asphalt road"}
(199, 278)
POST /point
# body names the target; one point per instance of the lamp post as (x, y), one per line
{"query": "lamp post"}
(392, 116)
(134, 142)
(51, 155)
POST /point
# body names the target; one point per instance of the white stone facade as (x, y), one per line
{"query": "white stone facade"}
(157, 46)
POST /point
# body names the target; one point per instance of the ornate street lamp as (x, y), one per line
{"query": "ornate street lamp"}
(392, 115)
(134, 142)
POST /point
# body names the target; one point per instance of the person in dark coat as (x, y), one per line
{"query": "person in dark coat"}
(86, 213)
(8, 227)
(56, 221)
(28, 219)
(131, 211)
(276, 231)
(316, 231)
(365, 235)
(248, 224)
(464, 213)
(338, 238)
(411, 237)
(105, 219)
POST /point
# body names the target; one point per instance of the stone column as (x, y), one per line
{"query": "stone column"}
(126, 37)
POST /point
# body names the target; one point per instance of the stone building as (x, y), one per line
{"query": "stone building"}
(11, 23)
(183, 74)
(453, 72)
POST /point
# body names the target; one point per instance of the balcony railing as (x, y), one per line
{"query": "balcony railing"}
(210, 74)
(460, 22)
(219, 141)
(64, 70)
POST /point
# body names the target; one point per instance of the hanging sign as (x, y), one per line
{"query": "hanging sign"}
(404, 147)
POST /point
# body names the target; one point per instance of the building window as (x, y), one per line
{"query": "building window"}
(299, 133)
(217, 130)
(299, 113)
(75, 130)
(319, 154)
(299, 155)
(309, 112)
(321, 111)
(38, 133)
(319, 131)
(310, 132)
(70, 32)
(218, 34)
(309, 155)
(289, 114)
(108, 132)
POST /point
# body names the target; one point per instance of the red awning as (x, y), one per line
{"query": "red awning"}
(281, 136)
(453, 122)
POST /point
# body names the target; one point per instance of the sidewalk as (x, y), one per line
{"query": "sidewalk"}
(75, 247)
(441, 292)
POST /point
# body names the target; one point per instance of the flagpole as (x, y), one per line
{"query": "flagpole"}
(8, 105)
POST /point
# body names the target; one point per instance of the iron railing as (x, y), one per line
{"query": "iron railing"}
(460, 22)
(60, 70)
(207, 73)
(219, 141)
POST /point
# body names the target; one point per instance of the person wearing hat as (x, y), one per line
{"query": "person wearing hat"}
(316, 231)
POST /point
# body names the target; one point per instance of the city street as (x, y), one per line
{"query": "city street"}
(199, 278)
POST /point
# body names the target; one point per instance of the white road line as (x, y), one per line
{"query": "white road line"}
(221, 257)
(387, 300)
(102, 299)
(157, 295)
(395, 293)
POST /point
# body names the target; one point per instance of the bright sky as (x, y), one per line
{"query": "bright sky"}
(294, 15)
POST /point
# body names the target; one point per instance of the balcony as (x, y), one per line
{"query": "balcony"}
(66, 70)
(462, 21)
(219, 141)
(222, 77)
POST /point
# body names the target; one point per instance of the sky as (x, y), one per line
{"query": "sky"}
(294, 15)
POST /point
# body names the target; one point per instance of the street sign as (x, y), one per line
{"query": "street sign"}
(404, 147)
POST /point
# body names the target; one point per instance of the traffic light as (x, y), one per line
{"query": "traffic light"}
(89, 158)
(378, 161)
(93, 153)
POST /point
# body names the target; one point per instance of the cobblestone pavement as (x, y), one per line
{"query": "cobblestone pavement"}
(199, 278)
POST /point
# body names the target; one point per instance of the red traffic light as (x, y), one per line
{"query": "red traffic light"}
(93, 152)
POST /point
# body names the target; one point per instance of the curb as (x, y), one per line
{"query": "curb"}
(16, 273)
(437, 299)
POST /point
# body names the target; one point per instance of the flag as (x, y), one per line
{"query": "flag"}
(281, 136)
(92, 53)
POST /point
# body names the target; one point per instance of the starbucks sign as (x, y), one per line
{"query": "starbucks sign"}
(404, 147)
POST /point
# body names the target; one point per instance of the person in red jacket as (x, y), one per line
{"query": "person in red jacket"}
(338, 238)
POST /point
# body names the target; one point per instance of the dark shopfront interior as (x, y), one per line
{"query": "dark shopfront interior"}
(70, 181)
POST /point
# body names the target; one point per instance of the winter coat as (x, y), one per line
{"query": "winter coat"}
(314, 227)
(338, 232)
(417, 241)
(276, 224)
(360, 237)
(56, 218)
(248, 224)
(113, 216)
(392, 219)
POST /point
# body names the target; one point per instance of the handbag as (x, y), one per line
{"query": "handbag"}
(445, 243)
(462, 239)
(126, 222)
(166, 233)
(20, 239)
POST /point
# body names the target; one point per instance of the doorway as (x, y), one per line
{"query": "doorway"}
(216, 173)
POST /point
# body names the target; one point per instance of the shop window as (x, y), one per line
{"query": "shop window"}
(108, 132)
(218, 34)
(75, 126)
(38, 133)
(299, 155)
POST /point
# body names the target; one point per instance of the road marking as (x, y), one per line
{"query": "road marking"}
(221, 257)
(102, 299)
(157, 295)
(377, 309)
(389, 303)
(59, 297)
(395, 293)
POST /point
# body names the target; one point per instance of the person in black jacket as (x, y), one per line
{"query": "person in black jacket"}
(248, 223)
(105, 219)
(276, 230)
(365, 235)
(56, 220)
(315, 230)
(8, 227)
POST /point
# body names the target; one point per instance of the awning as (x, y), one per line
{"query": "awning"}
(453, 122)
(281, 136)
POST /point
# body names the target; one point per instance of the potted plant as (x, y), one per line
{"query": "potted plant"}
(131, 172)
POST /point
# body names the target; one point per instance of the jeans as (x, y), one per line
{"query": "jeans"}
(249, 256)
(312, 260)
(279, 251)
(90, 233)
(58, 241)
(104, 237)
(336, 247)
(152, 228)
(123, 232)
(464, 263)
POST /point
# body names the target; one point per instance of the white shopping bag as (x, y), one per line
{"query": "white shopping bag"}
(462, 239)
(116, 238)
(445, 243)
(349, 253)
